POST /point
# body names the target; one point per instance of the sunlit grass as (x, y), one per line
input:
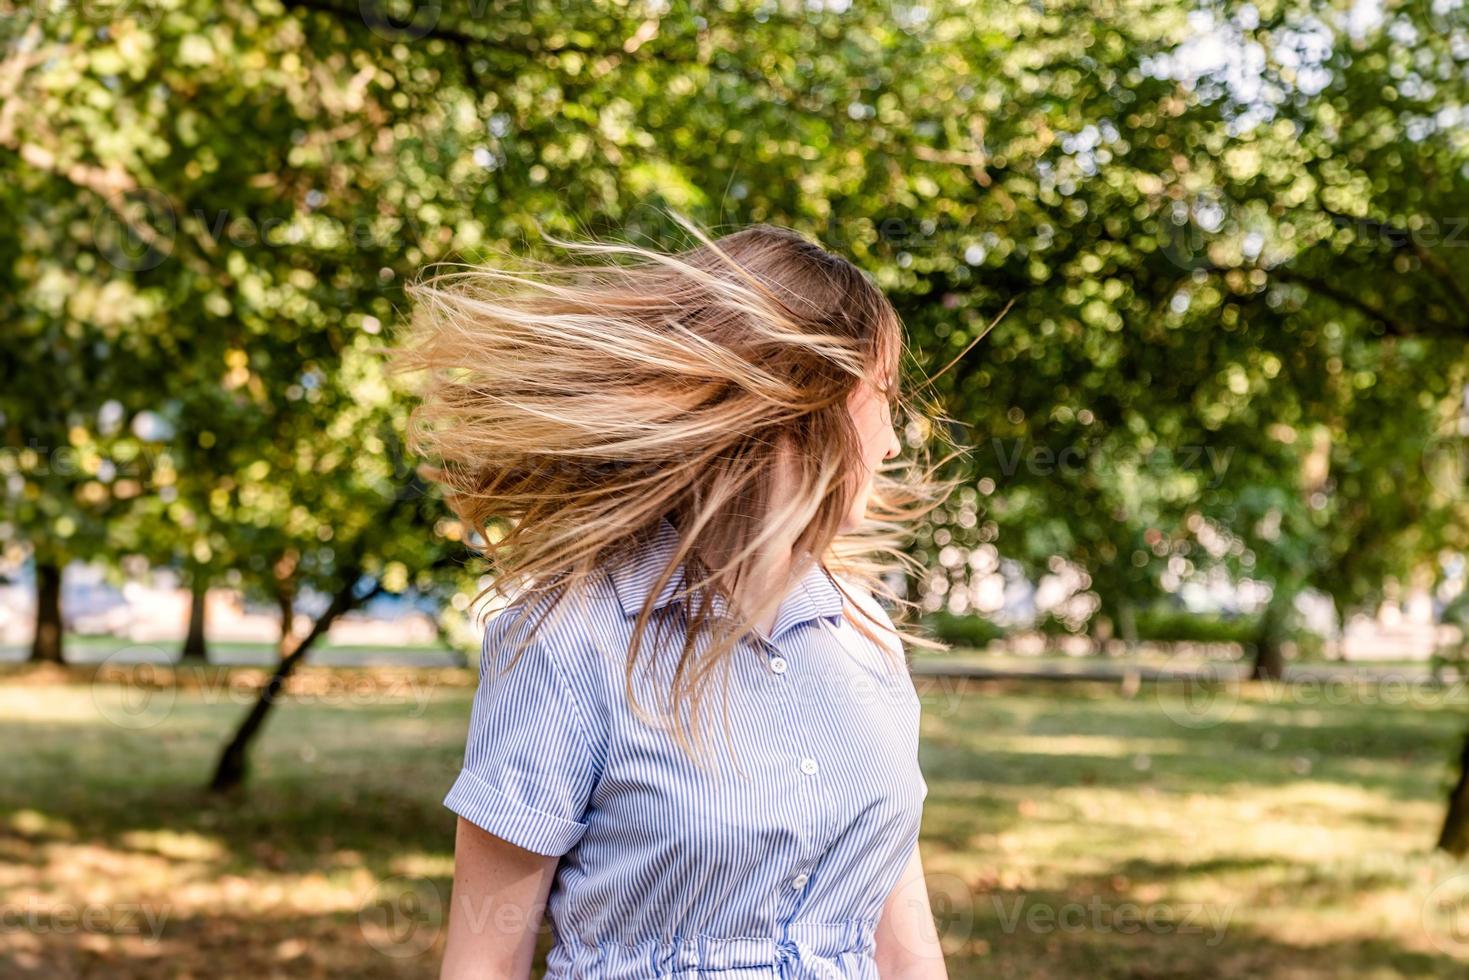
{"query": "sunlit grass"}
(1071, 831)
(1272, 839)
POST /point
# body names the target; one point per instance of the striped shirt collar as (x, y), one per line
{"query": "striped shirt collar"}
(815, 596)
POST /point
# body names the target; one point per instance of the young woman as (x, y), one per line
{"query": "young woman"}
(694, 742)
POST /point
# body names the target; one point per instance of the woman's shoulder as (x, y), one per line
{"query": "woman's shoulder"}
(875, 613)
(863, 597)
(579, 631)
(564, 621)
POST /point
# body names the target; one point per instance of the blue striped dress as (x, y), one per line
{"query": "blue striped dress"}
(773, 862)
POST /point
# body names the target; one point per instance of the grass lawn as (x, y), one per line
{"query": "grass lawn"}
(84, 648)
(1071, 831)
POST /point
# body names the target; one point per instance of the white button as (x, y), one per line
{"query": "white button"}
(808, 766)
(799, 882)
(778, 664)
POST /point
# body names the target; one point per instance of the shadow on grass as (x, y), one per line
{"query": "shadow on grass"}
(345, 799)
(1259, 739)
(1084, 933)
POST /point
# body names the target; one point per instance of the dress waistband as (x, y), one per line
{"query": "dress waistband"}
(796, 955)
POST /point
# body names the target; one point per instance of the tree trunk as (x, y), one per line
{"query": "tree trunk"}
(1454, 837)
(460, 659)
(232, 767)
(1127, 624)
(286, 603)
(46, 644)
(195, 647)
(1269, 660)
(1269, 653)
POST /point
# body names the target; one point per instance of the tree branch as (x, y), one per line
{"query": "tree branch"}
(1395, 327)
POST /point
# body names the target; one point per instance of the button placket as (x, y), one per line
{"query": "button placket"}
(773, 657)
(806, 769)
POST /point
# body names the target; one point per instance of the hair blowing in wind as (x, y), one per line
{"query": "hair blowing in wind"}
(567, 407)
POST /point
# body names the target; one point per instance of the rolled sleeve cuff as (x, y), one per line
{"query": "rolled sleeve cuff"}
(524, 826)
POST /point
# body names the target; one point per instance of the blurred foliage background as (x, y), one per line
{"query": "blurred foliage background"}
(1232, 234)
(1230, 242)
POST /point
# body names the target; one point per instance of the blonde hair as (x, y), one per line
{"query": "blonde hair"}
(567, 407)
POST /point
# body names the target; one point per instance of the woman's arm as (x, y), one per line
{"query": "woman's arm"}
(907, 942)
(495, 908)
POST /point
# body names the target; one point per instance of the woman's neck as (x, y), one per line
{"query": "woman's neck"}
(764, 570)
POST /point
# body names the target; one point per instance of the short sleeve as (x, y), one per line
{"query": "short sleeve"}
(529, 764)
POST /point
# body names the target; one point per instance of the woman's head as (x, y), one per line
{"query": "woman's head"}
(741, 388)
